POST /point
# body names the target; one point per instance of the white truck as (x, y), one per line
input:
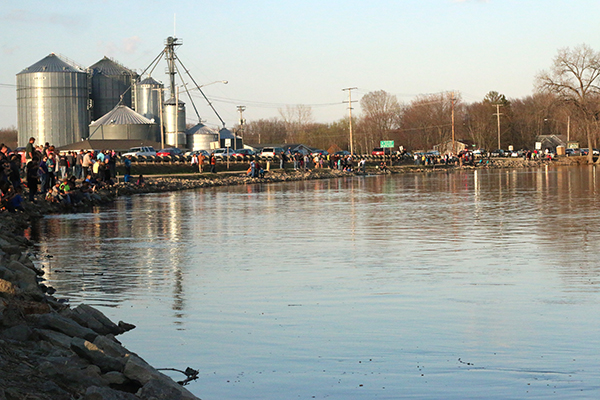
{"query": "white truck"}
(140, 151)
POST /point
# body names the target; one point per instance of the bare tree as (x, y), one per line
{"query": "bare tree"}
(574, 78)
(381, 113)
(427, 120)
(297, 120)
(265, 131)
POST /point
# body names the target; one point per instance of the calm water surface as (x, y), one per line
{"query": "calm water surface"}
(471, 284)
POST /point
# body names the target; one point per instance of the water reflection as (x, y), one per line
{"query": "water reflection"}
(312, 276)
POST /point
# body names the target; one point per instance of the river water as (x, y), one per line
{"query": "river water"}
(453, 285)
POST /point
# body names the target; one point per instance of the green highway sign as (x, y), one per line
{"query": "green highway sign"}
(386, 143)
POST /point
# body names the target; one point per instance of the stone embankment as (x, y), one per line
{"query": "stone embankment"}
(49, 350)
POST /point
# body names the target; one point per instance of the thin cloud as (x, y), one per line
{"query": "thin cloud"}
(128, 45)
(34, 18)
(7, 51)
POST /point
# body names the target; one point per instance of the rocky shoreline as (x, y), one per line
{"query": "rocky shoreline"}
(49, 350)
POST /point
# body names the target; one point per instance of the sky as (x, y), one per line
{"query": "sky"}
(278, 54)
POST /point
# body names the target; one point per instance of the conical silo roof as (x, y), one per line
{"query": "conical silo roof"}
(108, 67)
(122, 115)
(172, 102)
(201, 129)
(226, 134)
(50, 63)
(149, 81)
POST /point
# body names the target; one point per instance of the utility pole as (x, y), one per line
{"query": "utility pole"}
(498, 115)
(568, 128)
(241, 109)
(453, 140)
(350, 89)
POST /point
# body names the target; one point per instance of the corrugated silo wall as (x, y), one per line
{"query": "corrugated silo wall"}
(147, 101)
(52, 107)
(107, 91)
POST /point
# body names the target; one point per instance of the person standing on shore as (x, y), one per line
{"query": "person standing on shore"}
(127, 163)
(43, 172)
(200, 162)
(63, 164)
(78, 162)
(213, 163)
(29, 149)
(282, 160)
(85, 163)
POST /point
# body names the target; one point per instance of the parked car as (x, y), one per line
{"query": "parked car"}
(342, 153)
(197, 153)
(572, 152)
(380, 151)
(169, 151)
(223, 152)
(271, 151)
(498, 153)
(140, 151)
(243, 152)
(323, 153)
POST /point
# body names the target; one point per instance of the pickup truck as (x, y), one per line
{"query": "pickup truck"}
(141, 151)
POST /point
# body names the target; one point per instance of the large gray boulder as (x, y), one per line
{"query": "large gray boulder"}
(104, 393)
(19, 333)
(94, 319)
(111, 347)
(55, 338)
(65, 325)
(141, 372)
(90, 351)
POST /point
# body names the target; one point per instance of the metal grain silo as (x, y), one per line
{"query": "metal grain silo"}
(200, 137)
(110, 82)
(122, 123)
(174, 122)
(148, 99)
(52, 99)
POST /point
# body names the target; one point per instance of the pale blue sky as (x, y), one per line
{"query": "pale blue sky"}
(304, 52)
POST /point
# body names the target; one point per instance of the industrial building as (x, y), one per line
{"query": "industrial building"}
(61, 103)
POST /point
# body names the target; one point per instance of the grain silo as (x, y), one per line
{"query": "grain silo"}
(174, 122)
(110, 82)
(52, 99)
(122, 123)
(200, 137)
(148, 99)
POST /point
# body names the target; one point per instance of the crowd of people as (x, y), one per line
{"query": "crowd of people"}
(310, 161)
(64, 177)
